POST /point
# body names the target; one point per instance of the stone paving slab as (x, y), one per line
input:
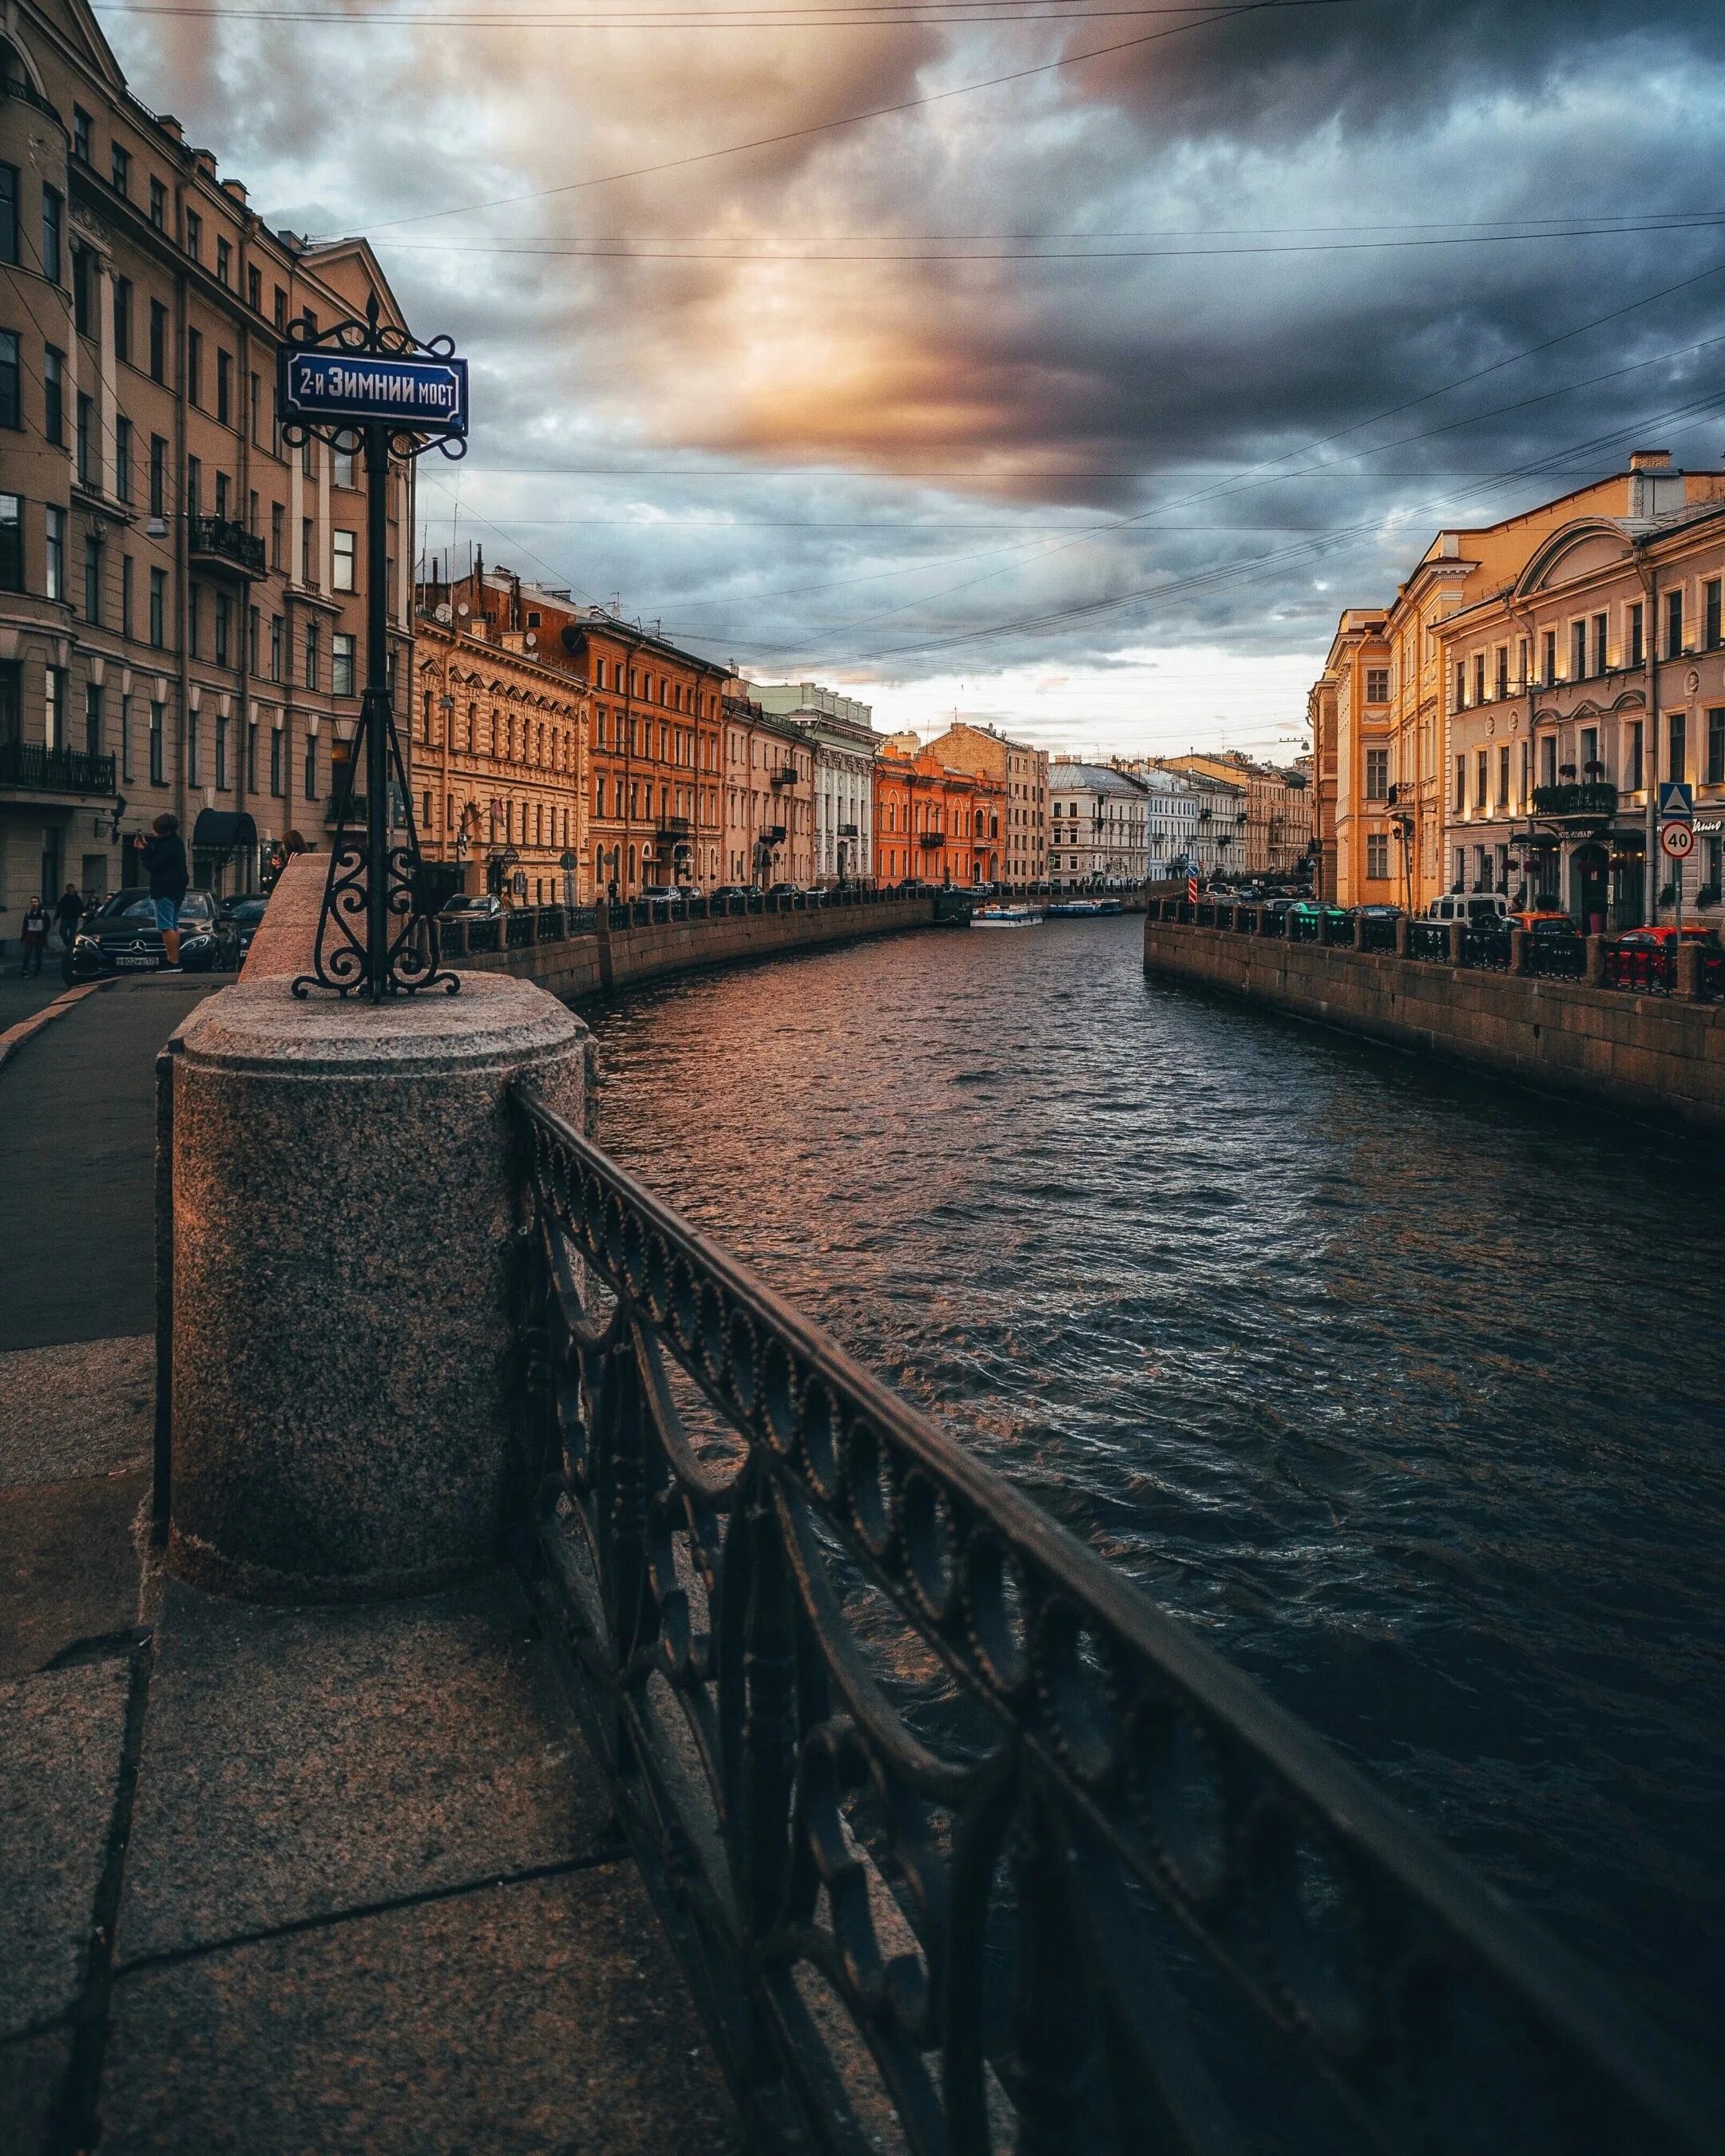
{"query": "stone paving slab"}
(71, 1566)
(33, 2072)
(83, 1410)
(61, 1734)
(299, 1762)
(543, 2016)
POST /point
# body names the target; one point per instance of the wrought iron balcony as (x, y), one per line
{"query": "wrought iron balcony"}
(15, 86)
(848, 831)
(786, 775)
(221, 541)
(674, 827)
(1594, 801)
(933, 838)
(33, 768)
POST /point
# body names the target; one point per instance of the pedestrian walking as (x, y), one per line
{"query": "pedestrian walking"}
(33, 936)
(165, 864)
(68, 913)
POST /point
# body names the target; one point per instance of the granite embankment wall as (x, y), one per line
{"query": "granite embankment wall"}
(1662, 1055)
(574, 967)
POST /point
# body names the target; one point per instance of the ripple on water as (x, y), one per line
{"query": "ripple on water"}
(1406, 1390)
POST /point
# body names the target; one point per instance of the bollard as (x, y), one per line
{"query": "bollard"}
(1689, 965)
(1519, 940)
(1404, 937)
(1458, 944)
(1358, 925)
(1596, 961)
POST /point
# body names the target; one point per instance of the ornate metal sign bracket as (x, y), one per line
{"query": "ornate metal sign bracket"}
(377, 935)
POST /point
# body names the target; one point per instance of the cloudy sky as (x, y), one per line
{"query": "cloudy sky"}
(1082, 400)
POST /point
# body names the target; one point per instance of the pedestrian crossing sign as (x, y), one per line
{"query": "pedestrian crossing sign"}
(1677, 802)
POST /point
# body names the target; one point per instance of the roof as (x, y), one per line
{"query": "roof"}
(1092, 778)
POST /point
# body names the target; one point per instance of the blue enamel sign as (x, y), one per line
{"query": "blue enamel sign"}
(419, 395)
(1677, 802)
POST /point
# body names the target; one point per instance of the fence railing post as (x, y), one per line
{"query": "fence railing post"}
(1458, 944)
(1595, 962)
(1689, 961)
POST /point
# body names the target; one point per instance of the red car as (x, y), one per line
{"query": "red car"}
(1662, 937)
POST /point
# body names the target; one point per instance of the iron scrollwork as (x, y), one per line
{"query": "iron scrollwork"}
(963, 1844)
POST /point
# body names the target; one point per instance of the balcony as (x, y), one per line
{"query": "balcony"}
(218, 542)
(32, 768)
(786, 775)
(674, 827)
(1593, 802)
(932, 840)
(848, 831)
(26, 93)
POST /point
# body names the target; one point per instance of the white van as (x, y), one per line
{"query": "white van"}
(1486, 909)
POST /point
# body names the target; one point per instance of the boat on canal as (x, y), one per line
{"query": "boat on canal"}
(1006, 916)
(1073, 908)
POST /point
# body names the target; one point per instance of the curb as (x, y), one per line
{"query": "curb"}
(14, 1037)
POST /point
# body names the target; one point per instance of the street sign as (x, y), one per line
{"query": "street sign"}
(568, 860)
(1677, 840)
(1677, 801)
(331, 388)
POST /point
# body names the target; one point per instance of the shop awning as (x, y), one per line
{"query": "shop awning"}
(223, 831)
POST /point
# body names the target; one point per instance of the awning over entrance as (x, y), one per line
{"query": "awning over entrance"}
(223, 831)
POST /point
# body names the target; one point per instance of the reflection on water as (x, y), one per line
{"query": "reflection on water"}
(1407, 1388)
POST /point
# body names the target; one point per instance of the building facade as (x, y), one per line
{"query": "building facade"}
(767, 797)
(1023, 771)
(182, 600)
(1098, 824)
(1171, 826)
(1277, 833)
(845, 745)
(499, 750)
(1211, 829)
(933, 822)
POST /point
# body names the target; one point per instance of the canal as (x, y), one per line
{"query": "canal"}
(1408, 1390)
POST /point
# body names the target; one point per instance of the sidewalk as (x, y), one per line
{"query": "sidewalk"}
(276, 1880)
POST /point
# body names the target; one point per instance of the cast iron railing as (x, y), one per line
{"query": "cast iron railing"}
(220, 538)
(947, 1820)
(1486, 948)
(1555, 957)
(1429, 939)
(35, 768)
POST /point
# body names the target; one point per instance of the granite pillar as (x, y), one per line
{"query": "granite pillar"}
(345, 1337)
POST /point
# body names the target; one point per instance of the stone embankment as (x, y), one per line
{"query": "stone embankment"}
(1662, 1054)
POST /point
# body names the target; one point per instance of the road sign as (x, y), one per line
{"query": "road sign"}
(568, 860)
(332, 388)
(1677, 840)
(1677, 801)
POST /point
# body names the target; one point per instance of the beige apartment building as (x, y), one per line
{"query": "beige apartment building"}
(1278, 829)
(182, 600)
(500, 757)
(767, 794)
(845, 745)
(1023, 771)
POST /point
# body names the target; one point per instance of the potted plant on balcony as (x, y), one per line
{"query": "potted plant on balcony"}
(1594, 769)
(1709, 895)
(1566, 771)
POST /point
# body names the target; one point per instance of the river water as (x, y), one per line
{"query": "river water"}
(1408, 1390)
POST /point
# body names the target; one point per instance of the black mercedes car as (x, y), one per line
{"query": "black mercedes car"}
(120, 937)
(245, 917)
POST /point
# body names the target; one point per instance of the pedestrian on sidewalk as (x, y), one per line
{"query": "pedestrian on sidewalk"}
(34, 937)
(68, 914)
(165, 864)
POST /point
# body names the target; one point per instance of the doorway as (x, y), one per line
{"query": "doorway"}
(1589, 888)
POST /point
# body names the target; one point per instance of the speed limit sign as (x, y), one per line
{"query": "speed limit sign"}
(1677, 840)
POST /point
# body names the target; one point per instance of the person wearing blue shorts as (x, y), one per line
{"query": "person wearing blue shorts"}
(165, 864)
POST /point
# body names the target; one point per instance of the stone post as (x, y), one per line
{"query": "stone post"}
(1404, 937)
(1595, 975)
(1358, 925)
(1518, 941)
(1458, 944)
(1689, 957)
(346, 1315)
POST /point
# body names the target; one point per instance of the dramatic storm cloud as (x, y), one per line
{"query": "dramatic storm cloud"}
(931, 406)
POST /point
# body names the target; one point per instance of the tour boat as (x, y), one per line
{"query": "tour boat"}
(1006, 916)
(1073, 908)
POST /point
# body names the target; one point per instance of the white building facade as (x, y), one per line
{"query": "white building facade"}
(845, 745)
(1098, 825)
(1171, 823)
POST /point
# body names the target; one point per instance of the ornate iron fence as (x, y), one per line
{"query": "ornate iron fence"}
(1377, 933)
(1555, 957)
(948, 1821)
(1429, 939)
(1646, 971)
(1486, 949)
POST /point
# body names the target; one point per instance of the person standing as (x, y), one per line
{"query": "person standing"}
(68, 914)
(165, 865)
(33, 936)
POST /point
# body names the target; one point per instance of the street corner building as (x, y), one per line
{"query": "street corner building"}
(182, 598)
(934, 821)
(1505, 724)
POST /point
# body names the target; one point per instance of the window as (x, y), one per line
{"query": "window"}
(122, 319)
(158, 607)
(1461, 785)
(194, 365)
(10, 404)
(1550, 673)
(224, 387)
(53, 706)
(1480, 781)
(280, 308)
(1377, 685)
(1673, 625)
(85, 451)
(1377, 857)
(255, 289)
(342, 462)
(194, 235)
(1548, 760)
(312, 655)
(1677, 745)
(54, 394)
(1503, 777)
(11, 543)
(158, 341)
(158, 759)
(92, 578)
(341, 664)
(80, 134)
(1578, 650)
(92, 719)
(224, 263)
(1712, 593)
(1636, 780)
(1600, 655)
(8, 212)
(126, 582)
(276, 737)
(158, 205)
(194, 775)
(120, 169)
(309, 788)
(1461, 684)
(251, 757)
(275, 647)
(194, 486)
(1715, 748)
(305, 575)
(1590, 751)
(1502, 688)
(54, 218)
(224, 629)
(1377, 774)
(221, 726)
(53, 583)
(343, 576)
(278, 535)
(158, 475)
(1637, 635)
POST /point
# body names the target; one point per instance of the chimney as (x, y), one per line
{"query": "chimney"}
(236, 188)
(169, 125)
(1653, 486)
(1649, 460)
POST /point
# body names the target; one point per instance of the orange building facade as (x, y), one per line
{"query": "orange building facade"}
(933, 822)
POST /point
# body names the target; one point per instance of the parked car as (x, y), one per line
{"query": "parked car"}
(784, 891)
(660, 894)
(1538, 922)
(473, 905)
(120, 937)
(1377, 912)
(1484, 909)
(1317, 909)
(1648, 937)
(744, 891)
(245, 917)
